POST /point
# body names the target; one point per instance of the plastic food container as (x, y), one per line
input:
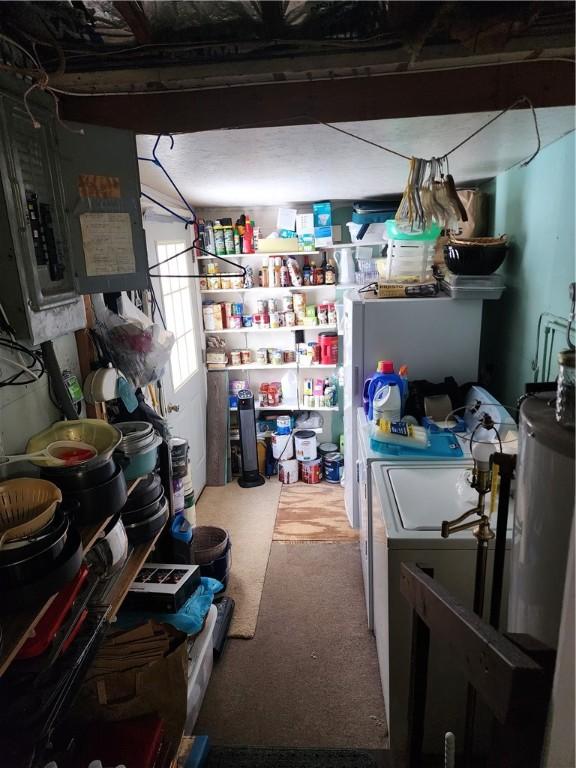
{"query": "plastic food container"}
(328, 348)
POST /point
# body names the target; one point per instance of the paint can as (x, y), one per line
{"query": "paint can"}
(282, 446)
(325, 448)
(305, 441)
(311, 471)
(333, 467)
(283, 425)
(288, 471)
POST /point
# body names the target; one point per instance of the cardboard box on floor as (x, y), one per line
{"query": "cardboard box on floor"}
(138, 672)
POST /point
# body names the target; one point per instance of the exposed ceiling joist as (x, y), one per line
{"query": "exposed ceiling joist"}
(398, 94)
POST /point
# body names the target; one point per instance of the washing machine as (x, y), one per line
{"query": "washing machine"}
(367, 456)
(409, 503)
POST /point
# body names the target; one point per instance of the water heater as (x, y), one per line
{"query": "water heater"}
(544, 511)
(250, 477)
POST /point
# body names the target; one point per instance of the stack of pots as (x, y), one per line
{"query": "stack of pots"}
(94, 490)
(138, 448)
(146, 510)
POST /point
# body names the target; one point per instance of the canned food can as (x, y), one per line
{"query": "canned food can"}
(287, 304)
(289, 356)
(261, 306)
(274, 320)
(289, 318)
(298, 300)
(237, 308)
(311, 471)
(203, 283)
(246, 356)
(214, 282)
(247, 321)
(276, 356)
(271, 305)
(333, 467)
(235, 321)
(262, 356)
(235, 357)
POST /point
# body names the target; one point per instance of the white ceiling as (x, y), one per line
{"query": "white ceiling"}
(269, 166)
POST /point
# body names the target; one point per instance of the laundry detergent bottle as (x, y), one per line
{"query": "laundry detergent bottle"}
(387, 403)
(384, 375)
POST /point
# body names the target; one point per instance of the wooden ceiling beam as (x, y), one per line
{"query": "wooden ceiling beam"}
(485, 88)
(136, 19)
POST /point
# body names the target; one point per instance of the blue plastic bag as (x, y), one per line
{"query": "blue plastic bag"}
(189, 619)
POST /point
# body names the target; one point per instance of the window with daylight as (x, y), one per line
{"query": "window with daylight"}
(177, 300)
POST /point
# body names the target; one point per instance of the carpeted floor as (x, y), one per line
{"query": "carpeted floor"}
(309, 677)
(230, 757)
(312, 513)
(248, 514)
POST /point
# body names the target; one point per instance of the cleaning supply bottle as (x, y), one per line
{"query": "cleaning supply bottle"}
(387, 403)
(403, 373)
(384, 375)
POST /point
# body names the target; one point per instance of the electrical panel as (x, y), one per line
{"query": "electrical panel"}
(70, 220)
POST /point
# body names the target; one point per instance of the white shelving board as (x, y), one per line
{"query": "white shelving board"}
(270, 367)
(259, 253)
(282, 329)
(274, 291)
(291, 406)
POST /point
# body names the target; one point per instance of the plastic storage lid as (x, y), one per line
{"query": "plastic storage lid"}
(432, 233)
(385, 366)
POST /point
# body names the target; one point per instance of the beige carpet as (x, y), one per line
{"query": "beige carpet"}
(312, 513)
(309, 677)
(248, 514)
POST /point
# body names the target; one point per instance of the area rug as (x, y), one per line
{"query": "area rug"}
(252, 757)
(248, 514)
(312, 513)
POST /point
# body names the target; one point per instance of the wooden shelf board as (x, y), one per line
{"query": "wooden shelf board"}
(17, 627)
(135, 561)
(16, 630)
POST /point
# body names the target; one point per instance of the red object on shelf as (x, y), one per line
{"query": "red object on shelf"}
(48, 626)
(134, 743)
(328, 348)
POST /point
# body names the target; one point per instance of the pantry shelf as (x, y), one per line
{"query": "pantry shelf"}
(252, 329)
(259, 253)
(270, 367)
(291, 406)
(274, 291)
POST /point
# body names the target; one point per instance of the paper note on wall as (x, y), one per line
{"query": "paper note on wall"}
(107, 239)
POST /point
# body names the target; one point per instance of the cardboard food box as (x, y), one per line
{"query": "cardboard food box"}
(163, 587)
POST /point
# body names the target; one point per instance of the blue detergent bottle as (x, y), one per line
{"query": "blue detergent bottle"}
(384, 375)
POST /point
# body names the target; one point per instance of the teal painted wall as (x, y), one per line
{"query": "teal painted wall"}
(535, 207)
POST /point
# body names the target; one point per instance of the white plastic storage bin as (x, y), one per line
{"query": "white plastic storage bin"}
(410, 254)
(410, 258)
(200, 662)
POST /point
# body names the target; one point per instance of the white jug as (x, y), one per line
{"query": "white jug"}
(345, 264)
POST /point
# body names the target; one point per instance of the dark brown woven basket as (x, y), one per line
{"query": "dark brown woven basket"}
(208, 544)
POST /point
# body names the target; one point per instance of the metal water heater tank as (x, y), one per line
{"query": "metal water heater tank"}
(543, 518)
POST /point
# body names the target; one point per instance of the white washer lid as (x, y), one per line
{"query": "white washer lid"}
(425, 496)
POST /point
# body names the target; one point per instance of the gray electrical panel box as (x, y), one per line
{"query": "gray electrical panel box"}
(70, 221)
